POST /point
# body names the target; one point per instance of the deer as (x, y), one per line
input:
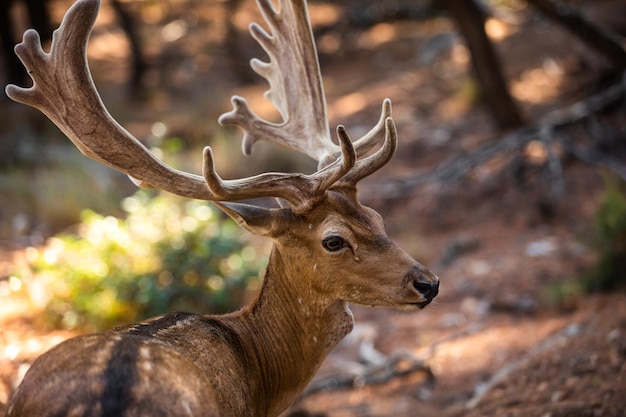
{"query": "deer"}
(328, 250)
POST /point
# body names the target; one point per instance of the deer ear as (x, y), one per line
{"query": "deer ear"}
(256, 220)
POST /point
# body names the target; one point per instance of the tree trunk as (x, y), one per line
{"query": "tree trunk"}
(138, 61)
(39, 19)
(471, 22)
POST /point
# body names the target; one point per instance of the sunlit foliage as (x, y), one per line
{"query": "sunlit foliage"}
(167, 254)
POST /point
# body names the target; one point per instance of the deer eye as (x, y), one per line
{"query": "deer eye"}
(334, 243)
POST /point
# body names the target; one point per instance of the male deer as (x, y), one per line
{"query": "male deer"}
(329, 250)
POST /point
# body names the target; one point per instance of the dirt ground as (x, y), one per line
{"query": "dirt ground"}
(499, 340)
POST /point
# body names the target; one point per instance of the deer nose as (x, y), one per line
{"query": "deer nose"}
(424, 282)
(428, 289)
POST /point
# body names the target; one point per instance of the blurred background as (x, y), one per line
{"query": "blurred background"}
(509, 183)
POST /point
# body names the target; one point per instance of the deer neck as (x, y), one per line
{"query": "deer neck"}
(290, 329)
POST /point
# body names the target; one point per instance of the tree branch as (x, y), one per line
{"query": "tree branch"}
(602, 41)
(457, 167)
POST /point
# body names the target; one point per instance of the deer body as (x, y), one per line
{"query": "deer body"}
(175, 365)
(329, 250)
(252, 362)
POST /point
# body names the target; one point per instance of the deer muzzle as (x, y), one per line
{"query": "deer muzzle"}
(424, 283)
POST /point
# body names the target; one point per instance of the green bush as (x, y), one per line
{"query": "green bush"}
(609, 272)
(166, 255)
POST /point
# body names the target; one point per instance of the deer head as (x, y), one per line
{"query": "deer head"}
(329, 249)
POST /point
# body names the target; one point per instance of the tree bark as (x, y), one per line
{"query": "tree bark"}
(138, 61)
(471, 22)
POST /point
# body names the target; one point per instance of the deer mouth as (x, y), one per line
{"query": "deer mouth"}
(423, 303)
(420, 305)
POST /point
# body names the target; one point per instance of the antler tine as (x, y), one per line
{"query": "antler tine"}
(300, 190)
(295, 85)
(374, 162)
(64, 91)
(367, 142)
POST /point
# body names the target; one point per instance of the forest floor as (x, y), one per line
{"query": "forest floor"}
(509, 334)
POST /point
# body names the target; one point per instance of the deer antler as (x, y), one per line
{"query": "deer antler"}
(302, 191)
(63, 89)
(295, 89)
